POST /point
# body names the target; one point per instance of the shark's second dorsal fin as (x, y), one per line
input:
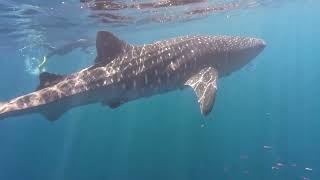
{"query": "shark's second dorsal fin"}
(54, 113)
(48, 79)
(108, 46)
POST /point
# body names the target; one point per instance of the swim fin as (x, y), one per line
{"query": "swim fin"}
(42, 64)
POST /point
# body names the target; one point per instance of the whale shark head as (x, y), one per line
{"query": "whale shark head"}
(234, 52)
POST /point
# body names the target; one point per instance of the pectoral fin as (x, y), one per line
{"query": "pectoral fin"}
(204, 84)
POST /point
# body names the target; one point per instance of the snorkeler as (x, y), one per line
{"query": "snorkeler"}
(83, 44)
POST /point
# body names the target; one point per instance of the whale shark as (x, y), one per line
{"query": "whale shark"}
(123, 72)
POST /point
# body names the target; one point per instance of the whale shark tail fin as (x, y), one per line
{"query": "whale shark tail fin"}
(109, 47)
(51, 114)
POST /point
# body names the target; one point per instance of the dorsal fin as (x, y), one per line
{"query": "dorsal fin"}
(108, 46)
(48, 79)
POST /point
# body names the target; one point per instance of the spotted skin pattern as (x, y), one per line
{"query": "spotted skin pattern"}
(142, 71)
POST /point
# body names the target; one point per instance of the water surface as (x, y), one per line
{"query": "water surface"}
(264, 124)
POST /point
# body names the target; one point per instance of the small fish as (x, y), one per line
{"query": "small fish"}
(308, 169)
(268, 116)
(280, 164)
(293, 165)
(267, 147)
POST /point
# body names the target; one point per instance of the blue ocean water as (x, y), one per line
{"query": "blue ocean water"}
(264, 124)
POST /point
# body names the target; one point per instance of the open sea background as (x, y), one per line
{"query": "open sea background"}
(264, 125)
